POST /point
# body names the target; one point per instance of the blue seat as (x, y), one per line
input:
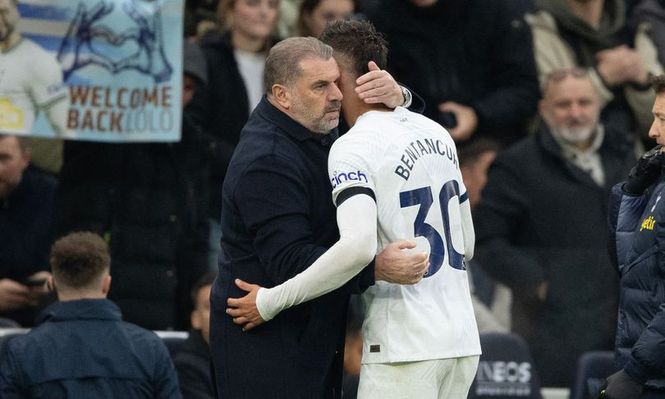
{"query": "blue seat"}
(505, 370)
(8, 333)
(8, 323)
(173, 340)
(592, 369)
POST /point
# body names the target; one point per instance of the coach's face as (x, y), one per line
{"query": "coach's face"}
(314, 99)
(8, 18)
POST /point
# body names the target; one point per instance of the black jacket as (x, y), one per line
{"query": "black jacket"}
(83, 349)
(542, 219)
(27, 219)
(277, 219)
(149, 202)
(478, 53)
(640, 240)
(192, 362)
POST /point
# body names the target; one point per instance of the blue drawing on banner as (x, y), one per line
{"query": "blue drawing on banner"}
(90, 42)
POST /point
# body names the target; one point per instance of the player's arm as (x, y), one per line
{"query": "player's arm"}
(356, 219)
(50, 94)
(56, 113)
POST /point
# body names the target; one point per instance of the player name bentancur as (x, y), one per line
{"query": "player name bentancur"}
(416, 150)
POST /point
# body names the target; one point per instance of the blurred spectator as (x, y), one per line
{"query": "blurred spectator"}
(541, 227)
(149, 202)
(27, 206)
(82, 348)
(491, 301)
(192, 361)
(315, 14)
(471, 60)
(288, 18)
(593, 34)
(235, 59)
(649, 15)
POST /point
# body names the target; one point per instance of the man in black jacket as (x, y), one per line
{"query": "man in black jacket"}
(27, 213)
(277, 219)
(540, 227)
(636, 220)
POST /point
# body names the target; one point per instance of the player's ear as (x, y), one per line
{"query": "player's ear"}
(282, 95)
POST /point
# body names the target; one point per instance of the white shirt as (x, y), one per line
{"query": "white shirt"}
(410, 162)
(30, 79)
(405, 160)
(251, 67)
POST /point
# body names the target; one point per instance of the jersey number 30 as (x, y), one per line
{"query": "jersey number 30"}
(423, 197)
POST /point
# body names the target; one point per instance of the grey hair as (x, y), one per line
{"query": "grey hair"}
(283, 61)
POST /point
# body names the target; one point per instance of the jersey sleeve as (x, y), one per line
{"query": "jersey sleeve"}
(357, 221)
(46, 86)
(349, 168)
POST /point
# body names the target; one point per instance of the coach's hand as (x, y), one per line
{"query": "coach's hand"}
(395, 265)
(621, 386)
(244, 310)
(378, 87)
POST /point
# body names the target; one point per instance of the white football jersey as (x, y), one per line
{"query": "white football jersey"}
(30, 78)
(410, 163)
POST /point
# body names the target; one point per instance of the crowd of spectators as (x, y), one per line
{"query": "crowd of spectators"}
(556, 90)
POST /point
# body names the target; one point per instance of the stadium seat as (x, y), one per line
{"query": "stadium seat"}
(8, 333)
(173, 339)
(8, 323)
(592, 369)
(505, 370)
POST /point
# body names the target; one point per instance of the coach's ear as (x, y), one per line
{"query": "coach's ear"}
(282, 95)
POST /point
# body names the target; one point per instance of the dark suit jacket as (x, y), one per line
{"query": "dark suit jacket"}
(278, 218)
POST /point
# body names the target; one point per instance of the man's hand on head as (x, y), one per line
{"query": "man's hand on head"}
(243, 310)
(378, 87)
(396, 265)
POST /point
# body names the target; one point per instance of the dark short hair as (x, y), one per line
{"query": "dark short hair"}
(658, 84)
(204, 281)
(359, 41)
(79, 258)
